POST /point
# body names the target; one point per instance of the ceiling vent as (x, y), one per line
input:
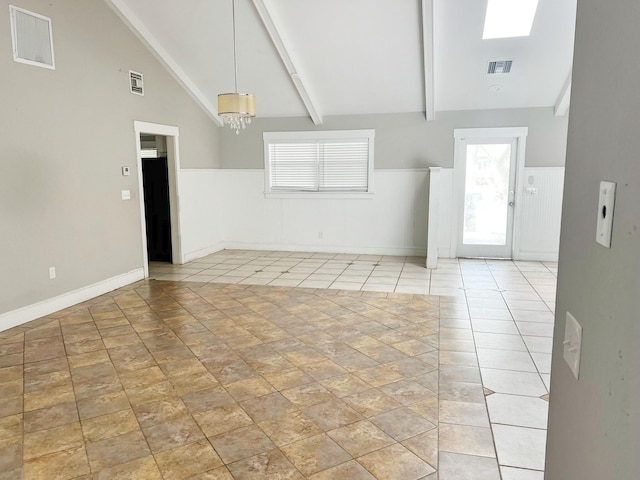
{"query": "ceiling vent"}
(136, 83)
(499, 66)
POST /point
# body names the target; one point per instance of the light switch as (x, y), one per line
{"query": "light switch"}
(572, 344)
(126, 171)
(606, 204)
(126, 194)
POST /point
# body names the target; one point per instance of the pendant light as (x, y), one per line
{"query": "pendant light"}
(236, 109)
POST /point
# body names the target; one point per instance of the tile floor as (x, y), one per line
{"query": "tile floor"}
(194, 378)
(496, 331)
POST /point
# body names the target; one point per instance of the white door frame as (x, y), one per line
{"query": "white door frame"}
(173, 166)
(462, 134)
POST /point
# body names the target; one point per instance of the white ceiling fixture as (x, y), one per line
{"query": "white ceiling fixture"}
(236, 109)
(509, 18)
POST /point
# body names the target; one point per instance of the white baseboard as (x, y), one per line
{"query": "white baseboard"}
(537, 256)
(402, 251)
(203, 252)
(46, 307)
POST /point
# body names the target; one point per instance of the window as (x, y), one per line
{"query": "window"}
(319, 162)
(32, 38)
(508, 18)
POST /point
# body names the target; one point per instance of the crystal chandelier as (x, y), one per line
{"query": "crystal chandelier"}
(236, 109)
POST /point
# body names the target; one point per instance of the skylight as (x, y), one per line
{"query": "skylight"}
(509, 18)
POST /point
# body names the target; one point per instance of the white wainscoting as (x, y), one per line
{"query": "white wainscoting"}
(202, 228)
(391, 222)
(538, 235)
(538, 228)
(227, 209)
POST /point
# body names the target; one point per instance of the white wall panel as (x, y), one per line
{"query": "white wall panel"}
(445, 209)
(200, 213)
(392, 221)
(538, 237)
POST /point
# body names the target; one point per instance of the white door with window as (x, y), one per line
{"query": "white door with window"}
(485, 171)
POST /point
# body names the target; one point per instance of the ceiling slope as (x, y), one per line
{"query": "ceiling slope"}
(347, 57)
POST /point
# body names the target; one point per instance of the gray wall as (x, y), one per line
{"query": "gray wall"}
(406, 140)
(64, 136)
(594, 422)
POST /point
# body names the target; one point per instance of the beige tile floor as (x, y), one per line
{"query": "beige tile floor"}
(496, 331)
(186, 380)
(205, 380)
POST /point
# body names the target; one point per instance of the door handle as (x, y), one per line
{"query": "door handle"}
(511, 204)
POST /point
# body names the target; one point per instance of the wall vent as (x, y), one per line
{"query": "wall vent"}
(136, 83)
(32, 38)
(499, 66)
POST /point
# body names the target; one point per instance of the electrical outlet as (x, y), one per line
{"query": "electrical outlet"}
(572, 344)
(52, 273)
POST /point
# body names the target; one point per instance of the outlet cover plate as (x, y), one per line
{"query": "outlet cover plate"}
(572, 344)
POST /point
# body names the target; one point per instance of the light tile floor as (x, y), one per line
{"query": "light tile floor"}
(496, 329)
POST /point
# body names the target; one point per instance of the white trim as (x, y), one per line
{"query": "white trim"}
(203, 252)
(151, 42)
(46, 307)
(537, 256)
(462, 134)
(319, 134)
(433, 219)
(173, 164)
(155, 129)
(327, 195)
(428, 55)
(465, 133)
(297, 79)
(564, 99)
(14, 37)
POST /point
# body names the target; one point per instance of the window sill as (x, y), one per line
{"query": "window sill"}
(328, 195)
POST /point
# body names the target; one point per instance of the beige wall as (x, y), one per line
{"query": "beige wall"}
(594, 422)
(64, 135)
(406, 140)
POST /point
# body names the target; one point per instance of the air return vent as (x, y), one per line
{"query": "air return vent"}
(32, 38)
(499, 66)
(136, 83)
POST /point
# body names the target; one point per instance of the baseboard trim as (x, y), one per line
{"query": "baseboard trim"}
(203, 252)
(537, 256)
(402, 251)
(31, 312)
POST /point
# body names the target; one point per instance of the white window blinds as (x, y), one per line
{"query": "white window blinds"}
(341, 164)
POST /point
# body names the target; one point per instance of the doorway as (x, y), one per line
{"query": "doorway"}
(157, 206)
(486, 168)
(158, 164)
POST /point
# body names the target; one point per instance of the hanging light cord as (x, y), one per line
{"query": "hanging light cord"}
(235, 61)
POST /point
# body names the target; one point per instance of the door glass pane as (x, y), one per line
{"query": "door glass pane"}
(486, 194)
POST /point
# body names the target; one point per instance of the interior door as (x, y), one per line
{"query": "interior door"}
(157, 208)
(485, 227)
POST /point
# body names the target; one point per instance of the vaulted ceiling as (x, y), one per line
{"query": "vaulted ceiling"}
(344, 57)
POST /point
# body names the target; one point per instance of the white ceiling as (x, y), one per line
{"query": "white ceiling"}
(357, 56)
